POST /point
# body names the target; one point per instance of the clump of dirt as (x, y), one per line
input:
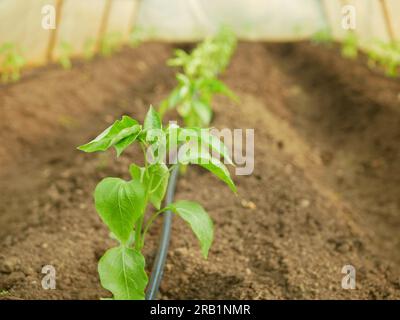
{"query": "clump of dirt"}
(288, 232)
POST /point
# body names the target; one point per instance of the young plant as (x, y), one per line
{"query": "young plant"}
(110, 43)
(89, 49)
(209, 58)
(136, 37)
(122, 204)
(198, 83)
(350, 46)
(65, 55)
(11, 63)
(193, 97)
(323, 36)
(385, 55)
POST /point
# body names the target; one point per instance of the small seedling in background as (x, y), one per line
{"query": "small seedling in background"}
(65, 55)
(89, 49)
(209, 58)
(350, 46)
(198, 83)
(122, 204)
(323, 36)
(110, 43)
(192, 98)
(380, 54)
(11, 62)
(385, 55)
(137, 36)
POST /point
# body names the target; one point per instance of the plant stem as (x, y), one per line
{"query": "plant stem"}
(138, 228)
(150, 222)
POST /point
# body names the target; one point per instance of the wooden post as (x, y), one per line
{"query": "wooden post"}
(103, 23)
(387, 19)
(54, 32)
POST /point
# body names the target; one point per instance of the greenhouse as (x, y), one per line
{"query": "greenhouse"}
(200, 150)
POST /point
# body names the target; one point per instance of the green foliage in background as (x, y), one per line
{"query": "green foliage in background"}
(122, 204)
(323, 36)
(89, 49)
(385, 55)
(65, 55)
(198, 83)
(11, 62)
(137, 36)
(350, 46)
(110, 43)
(192, 98)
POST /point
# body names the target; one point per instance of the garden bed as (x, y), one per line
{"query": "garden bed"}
(324, 192)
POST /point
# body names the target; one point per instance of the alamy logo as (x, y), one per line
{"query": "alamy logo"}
(349, 280)
(49, 280)
(238, 144)
(49, 17)
(349, 17)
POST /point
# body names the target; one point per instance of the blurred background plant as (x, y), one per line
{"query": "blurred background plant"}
(110, 43)
(11, 62)
(323, 36)
(198, 83)
(350, 46)
(386, 56)
(89, 49)
(65, 55)
(137, 36)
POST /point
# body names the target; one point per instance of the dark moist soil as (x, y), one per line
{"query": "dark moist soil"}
(324, 192)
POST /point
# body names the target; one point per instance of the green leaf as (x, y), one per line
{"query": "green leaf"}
(175, 98)
(183, 79)
(184, 109)
(155, 179)
(206, 139)
(121, 134)
(137, 173)
(159, 183)
(204, 159)
(203, 110)
(216, 145)
(198, 219)
(152, 120)
(126, 142)
(221, 88)
(122, 272)
(119, 203)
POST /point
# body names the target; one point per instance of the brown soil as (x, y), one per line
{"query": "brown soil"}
(324, 193)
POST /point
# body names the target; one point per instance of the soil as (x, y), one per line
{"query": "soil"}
(324, 192)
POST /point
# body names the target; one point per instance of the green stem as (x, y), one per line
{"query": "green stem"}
(138, 228)
(139, 242)
(150, 222)
(144, 155)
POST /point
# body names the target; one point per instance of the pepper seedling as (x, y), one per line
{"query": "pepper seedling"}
(110, 43)
(349, 47)
(137, 36)
(89, 49)
(65, 55)
(122, 204)
(11, 62)
(386, 55)
(323, 36)
(192, 99)
(198, 83)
